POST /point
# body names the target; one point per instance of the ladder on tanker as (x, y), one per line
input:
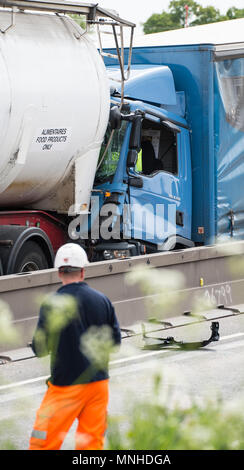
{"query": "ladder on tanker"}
(94, 15)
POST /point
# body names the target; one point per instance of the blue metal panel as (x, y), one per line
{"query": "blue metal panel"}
(155, 85)
(214, 96)
(159, 199)
(229, 147)
(209, 167)
(150, 87)
(192, 70)
(154, 205)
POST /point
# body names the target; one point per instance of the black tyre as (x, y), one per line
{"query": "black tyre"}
(30, 258)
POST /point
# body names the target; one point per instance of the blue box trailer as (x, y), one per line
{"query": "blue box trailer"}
(209, 84)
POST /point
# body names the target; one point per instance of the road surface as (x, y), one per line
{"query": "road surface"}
(214, 371)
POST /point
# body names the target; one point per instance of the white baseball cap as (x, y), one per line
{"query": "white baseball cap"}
(71, 255)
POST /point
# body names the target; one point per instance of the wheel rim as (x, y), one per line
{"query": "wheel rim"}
(29, 266)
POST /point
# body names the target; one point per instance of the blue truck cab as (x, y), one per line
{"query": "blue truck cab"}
(174, 169)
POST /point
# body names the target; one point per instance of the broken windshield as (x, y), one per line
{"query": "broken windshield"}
(108, 166)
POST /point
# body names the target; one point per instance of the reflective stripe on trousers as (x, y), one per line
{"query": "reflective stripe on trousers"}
(61, 406)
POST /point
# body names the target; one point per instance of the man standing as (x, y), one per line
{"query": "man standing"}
(78, 386)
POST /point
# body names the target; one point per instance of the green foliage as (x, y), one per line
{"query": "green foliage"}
(197, 15)
(160, 287)
(162, 423)
(80, 20)
(97, 344)
(9, 337)
(207, 15)
(160, 22)
(153, 425)
(178, 11)
(8, 333)
(235, 13)
(59, 312)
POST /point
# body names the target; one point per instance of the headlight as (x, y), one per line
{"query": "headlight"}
(116, 254)
(121, 254)
(107, 254)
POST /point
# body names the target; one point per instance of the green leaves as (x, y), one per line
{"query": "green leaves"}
(80, 20)
(8, 333)
(154, 425)
(235, 13)
(160, 286)
(97, 344)
(160, 22)
(175, 18)
(60, 311)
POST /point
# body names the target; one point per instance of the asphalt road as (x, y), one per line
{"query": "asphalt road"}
(214, 371)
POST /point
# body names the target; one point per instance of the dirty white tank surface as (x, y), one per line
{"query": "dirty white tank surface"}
(54, 107)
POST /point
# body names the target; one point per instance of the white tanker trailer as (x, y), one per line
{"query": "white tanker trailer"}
(53, 114)
(54, 111)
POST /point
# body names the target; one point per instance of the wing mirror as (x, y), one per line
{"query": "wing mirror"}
(135, 141)
(115, 118)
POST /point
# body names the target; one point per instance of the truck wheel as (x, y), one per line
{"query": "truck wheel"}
(30, 258)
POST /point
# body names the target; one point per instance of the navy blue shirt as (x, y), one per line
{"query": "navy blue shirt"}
(69, 364)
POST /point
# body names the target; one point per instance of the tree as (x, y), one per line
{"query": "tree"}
(160, 22)
(197, 14)
(207, 15)
(177, 9)
(173, 19)
(234, 13)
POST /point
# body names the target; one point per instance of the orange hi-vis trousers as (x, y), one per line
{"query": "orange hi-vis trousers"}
(61, 406)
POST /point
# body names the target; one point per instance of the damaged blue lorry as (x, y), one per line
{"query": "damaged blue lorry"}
(178, 142)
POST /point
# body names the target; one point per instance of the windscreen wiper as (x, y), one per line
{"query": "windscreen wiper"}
(155, 343)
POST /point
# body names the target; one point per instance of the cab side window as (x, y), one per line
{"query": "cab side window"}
(158, 150)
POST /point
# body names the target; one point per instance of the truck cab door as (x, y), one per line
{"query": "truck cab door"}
(159, 187)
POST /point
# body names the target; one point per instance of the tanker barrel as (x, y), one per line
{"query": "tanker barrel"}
(60, 104)
(92, 11)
